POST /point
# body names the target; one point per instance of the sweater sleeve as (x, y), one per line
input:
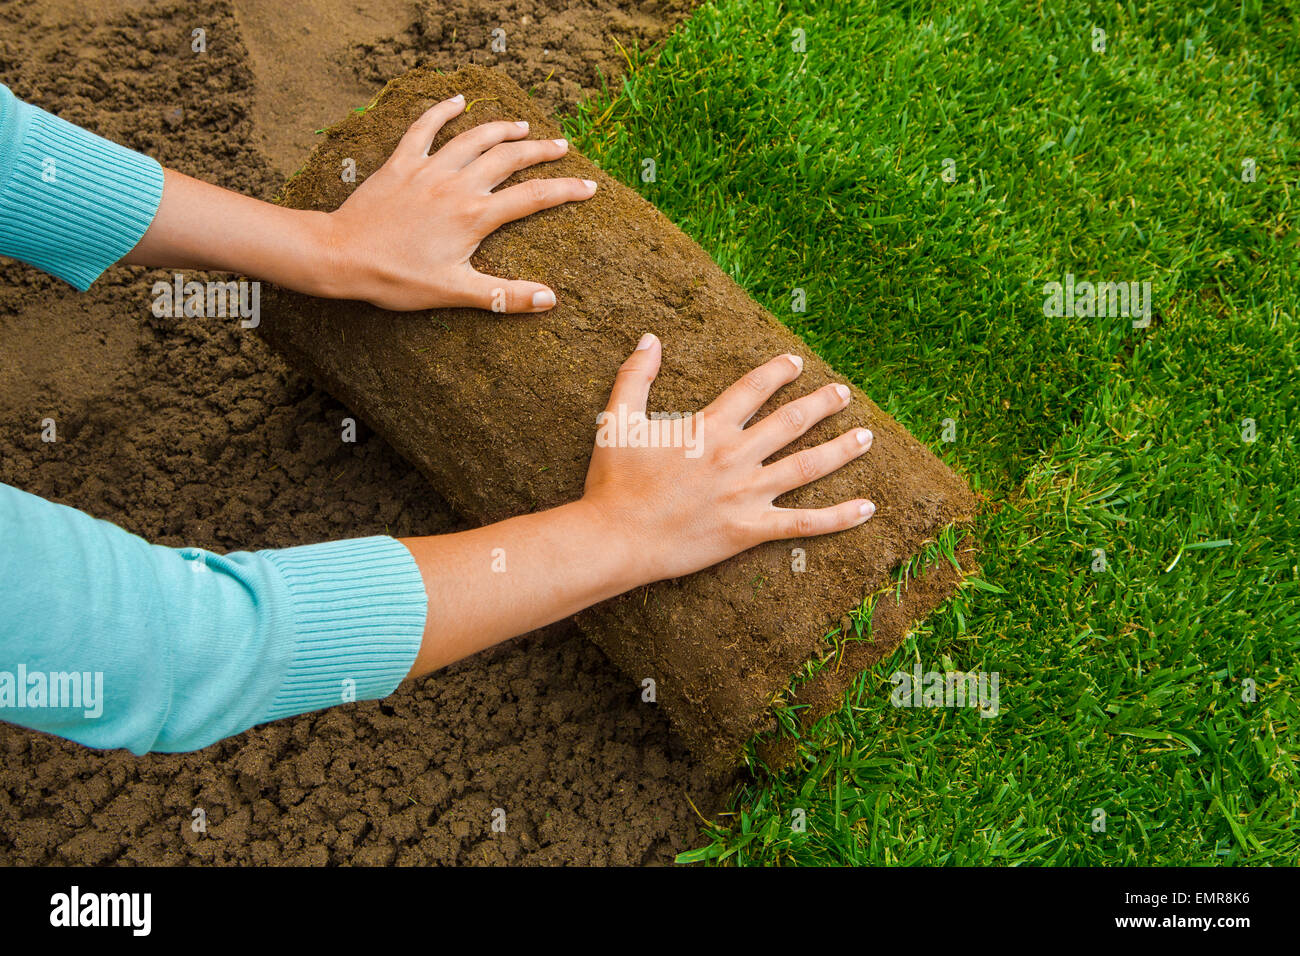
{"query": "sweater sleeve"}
(71, 203)
(112, 642)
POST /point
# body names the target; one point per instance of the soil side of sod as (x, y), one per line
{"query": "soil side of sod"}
(500, 413)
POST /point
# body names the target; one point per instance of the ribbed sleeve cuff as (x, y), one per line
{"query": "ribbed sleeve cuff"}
(358, 612)
(72, 203)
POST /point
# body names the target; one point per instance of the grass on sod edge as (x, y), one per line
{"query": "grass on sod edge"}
(1146, 710)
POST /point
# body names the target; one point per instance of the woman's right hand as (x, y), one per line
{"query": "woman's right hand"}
(687, 492)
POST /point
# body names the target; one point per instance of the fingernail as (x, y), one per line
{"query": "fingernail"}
(522, 124)
(590, 184)
(458, 98)
(543, 299)
(864, 436)
(843, 392)
(797, 361)
(866, 509)
(647, 340)
(564, 143)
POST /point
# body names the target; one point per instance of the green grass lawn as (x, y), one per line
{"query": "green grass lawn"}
(921, 171)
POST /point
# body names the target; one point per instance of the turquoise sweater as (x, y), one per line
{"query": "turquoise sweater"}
(113, 642)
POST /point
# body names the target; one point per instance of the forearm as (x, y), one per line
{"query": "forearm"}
(75, 203)
(201, 226)
(509, 578)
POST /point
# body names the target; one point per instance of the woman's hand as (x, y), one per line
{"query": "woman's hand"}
(664, 497)
(691, 491)
(404, 238)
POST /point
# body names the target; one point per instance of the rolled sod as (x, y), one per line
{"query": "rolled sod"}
(499, 411)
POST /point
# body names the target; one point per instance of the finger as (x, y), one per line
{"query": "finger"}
(497, 165)
(632, 383)
(505, 295)
(794, 471)
(415, 142)
(739, 403)
(462, 150)
(794, 418)
(524, 199)
(809, 522)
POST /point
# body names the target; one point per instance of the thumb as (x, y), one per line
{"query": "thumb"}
(632, 384)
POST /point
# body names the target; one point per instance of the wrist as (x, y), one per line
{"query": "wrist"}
(330, 271)
(623, 553)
